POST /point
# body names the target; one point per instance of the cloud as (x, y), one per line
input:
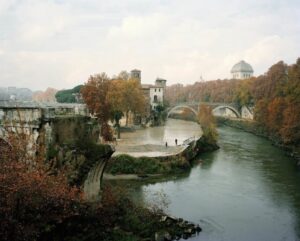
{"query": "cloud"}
(41, 20)
(271, 49)
(60, 43)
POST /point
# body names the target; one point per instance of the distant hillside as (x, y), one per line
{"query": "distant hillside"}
(45, 96)
(69, 95)
(14, 93)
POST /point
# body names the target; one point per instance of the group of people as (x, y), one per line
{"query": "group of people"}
(175, 143)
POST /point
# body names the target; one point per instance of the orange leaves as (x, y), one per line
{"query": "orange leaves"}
(208, 124)
(290, 130)
(275, 114)
(29, 197)
(95, 94)
(275, 96)
(103, 97)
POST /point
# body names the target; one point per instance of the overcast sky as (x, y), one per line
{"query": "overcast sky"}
(59, 43)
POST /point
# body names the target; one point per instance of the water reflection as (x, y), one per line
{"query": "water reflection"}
(173, 129)
(247, 190)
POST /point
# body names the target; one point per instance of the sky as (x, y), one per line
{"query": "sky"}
(60, 43)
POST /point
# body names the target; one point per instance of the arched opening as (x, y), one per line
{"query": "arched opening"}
(183, 112)
(226, 111)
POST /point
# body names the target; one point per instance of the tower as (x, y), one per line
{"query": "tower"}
(161, 82)
(136, 74)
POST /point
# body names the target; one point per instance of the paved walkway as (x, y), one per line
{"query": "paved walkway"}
(149, 150)
(151, 141)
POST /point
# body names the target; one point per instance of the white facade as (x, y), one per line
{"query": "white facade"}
(156, 96)
(242, 75)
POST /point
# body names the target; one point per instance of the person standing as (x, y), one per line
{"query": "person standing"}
(176, 142)
(166, 144)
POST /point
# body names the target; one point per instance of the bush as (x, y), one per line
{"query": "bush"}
(32, 201)
(125, 164)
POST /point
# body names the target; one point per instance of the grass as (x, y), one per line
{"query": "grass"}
(126, 164)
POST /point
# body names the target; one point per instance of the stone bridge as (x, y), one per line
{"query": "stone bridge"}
(218, 109)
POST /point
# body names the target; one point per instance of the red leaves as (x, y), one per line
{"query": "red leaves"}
(290, 130)
(29, 197)
(275, 95)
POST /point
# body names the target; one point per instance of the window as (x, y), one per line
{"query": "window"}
(159, 90)
(155, 99)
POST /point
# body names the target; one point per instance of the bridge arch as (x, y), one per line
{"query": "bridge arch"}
(235, 111)
(182, 107)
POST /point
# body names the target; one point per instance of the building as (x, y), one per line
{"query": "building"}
(242, 70)
(136, 74)
(154, 94)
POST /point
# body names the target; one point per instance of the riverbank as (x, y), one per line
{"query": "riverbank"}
(254, 128)
(118, 218)
(148, 150)
(135, 167)
(236, 192)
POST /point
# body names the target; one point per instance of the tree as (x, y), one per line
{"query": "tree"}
(290, 130)
(45, 96)
(116, 116)
(243, 94)
(125, 96)
(208, 124)
(133, 98)
(32, 201)
(123, 75)
(95, 93)
(68, 96)
(292, 88)
(272, 84)
(275, 116)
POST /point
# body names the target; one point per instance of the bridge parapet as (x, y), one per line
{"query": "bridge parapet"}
(232, 109)
(197, 104)
(35, 112)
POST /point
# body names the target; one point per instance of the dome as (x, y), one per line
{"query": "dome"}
(242, 66)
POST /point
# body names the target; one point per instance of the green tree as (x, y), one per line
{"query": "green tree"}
(68, 96)
(116, 116)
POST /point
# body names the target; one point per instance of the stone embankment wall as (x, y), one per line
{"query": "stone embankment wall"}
(39, 121)
(63, 135)
(190, 151)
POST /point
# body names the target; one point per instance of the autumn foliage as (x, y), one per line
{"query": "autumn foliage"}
(208, 124)
(275, 97)
(31, 201)
(45, 96)
(105, 97)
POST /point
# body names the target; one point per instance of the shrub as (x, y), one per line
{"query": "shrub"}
(126, 164)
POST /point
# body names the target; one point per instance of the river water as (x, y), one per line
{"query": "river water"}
(246, 190)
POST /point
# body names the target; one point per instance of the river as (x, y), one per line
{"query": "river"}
(246, 190)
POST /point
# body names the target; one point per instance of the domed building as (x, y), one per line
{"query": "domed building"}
(242, 70)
